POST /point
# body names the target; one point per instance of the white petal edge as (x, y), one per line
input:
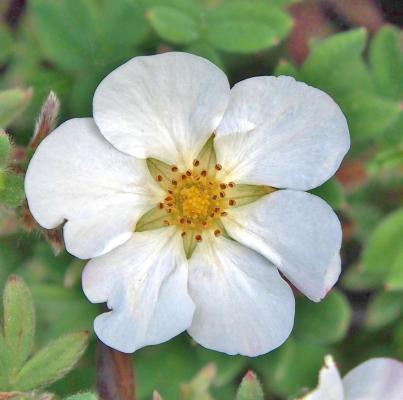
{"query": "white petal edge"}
(76, 175)
(163, 106)
(375, 379)
(243, 306)
(144, 282)
(281, 133)
(330, 385)
(298, 232)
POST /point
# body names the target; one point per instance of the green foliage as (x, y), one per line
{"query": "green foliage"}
(332, 192)
(83, 396)
(19, 372)
(250, 388)
(383, 309)
(325, 322)
(12, 104)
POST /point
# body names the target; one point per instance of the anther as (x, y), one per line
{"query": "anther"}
(159, 178)
(222, 194)
(165, 222)
(169, 198)
(223, 186)
(161, 206)
(196, 163)
(189, 221)
(212, 215)
(232, 202)
(174, 182)
(217, 209)
(174, 168)
(223, 214)
(198, 238)
(203, 173)
(214, 197)
(204, 223)
(218, 167)
(231, 184)
(183, 234)
(184, 177)
(189, 172)
(217, 233)
(182, 221)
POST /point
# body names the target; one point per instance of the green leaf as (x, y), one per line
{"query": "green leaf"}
(173, 24)
(250, 388)
(52, 362)
(284, 67)
(242, 27)
(357, 279)
(336, 66)
(5, 149)
(384, 247)
(6, 41)
(383, 309)
(324, 322)
(11, 189)
(199, 387)
(386, 58)
(206, 50)
(332, 192)
(12, 104)
(292, 366)
(394, 280)
(83, 396)
(368, 114)
(19, 323)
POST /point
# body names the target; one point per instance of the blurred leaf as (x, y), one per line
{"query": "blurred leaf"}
(243, 27)
(369, 114)
(332, 192)
(199, 387)
(173, 24)
(19, 323)
(386, 58)
(250, 388)
(384, 246)
(357, 279)
(83, 396)
(389, 159)
(284, 67)
(5, 149)
(292, 366)
(11, 189)
(383, 309)
(335, 64)
(12, 103)
(6, 41)
(52, 362)
(324, 322)
(206, 50)
(394, 280)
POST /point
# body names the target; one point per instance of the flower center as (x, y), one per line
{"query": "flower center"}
(195, 200)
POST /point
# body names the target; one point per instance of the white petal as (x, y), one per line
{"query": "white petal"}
(144, 283)
(282, 133)
(163, 106)
(243, 306)
(330, 386)
(298, 232)
(375, 379)
(76, 175)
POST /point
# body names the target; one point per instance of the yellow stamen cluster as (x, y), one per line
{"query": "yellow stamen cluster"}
(195, 200)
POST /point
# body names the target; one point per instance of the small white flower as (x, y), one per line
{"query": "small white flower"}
(205, 258)
(375, 379)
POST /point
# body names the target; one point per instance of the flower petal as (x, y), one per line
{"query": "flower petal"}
(375, 379)
(163, 106)
(144, 283)
(330, 386)
(243, 306)
(281, 133)
(76, 175)
(296, 231)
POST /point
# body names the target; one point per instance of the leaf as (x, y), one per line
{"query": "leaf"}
(83, 396)
(12, 103)
(19, 323)
(11, 189)
(199, 387)
(206, 50)
(6, 41)
(332, 192)
(394, 280)
(52, 362)
(243, 27)
(325, 322)
(336, 66)
(250, 388)
(284, 67)
(386, 59)
(384, 246)
(383, 309)
(5, 149)
(173, 25)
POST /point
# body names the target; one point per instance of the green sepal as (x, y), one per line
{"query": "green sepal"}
(5, 149)
(11, 189)
(153, 219)
(250, 388)
(207, 157)
(158, 169)
(189, 243)
(245, 194)
(198, 388)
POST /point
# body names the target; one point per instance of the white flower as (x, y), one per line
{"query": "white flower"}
(375, 379)
(227, 292)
